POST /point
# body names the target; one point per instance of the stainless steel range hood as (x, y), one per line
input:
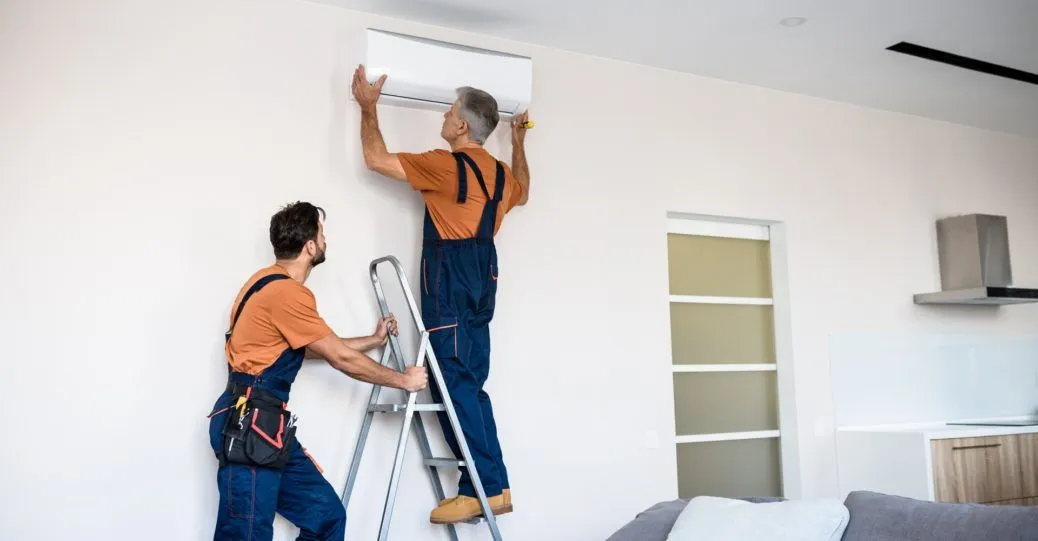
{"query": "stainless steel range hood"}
(975, 266)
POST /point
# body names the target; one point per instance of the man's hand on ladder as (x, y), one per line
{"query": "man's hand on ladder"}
(415, 379)
(386, 326)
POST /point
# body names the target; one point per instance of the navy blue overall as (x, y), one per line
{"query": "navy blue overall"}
(459, 285)
(250, 496)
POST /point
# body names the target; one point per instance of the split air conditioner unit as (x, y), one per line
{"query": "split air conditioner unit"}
(425, 73)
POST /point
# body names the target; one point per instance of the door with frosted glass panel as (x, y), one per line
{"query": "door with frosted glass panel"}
(724, 361)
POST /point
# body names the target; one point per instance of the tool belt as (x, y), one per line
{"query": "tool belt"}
(259, 430)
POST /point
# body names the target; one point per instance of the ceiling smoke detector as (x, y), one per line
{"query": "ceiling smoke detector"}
(793, 21)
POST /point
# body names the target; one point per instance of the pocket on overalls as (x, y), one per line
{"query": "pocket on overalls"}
(217, 421)
(443, 339)
(494, 272)
(430, 295)
(425, 276)
(239, 487)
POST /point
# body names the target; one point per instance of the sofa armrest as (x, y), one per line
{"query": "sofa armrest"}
(652, 524)
(656, 522)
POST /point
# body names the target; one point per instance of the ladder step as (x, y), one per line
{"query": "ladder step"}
(394, 408)
(445, 463)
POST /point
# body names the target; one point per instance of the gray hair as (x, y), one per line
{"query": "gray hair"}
(479, 110)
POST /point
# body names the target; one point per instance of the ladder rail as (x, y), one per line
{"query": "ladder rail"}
(425, 353)
(416, 314)
(362, 438)
(394, 479)
(434, 366)
(394, 346)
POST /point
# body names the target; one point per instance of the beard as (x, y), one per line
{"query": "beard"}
(319, 258)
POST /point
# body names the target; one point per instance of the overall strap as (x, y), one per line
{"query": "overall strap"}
(489, 218)
(260, 284)
(460, 157)
(463, 183)
(499, 181)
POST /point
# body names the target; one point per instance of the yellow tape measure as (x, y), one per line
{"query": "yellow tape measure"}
(240, 405)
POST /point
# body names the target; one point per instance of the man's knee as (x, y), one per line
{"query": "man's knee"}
(333, 517)
(337, 516)
(334, 524)
(329, 526)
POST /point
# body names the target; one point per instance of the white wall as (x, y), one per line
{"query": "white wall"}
(144, 144)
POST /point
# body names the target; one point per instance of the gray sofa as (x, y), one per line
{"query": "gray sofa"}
(880, 517)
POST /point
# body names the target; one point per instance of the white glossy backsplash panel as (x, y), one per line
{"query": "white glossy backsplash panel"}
(880, 378)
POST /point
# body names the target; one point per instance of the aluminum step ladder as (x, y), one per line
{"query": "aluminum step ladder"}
(424, 357)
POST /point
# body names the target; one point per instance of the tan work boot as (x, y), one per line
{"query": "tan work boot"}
(506, 503)
(507, 493)
(457, 509)
(466, 508)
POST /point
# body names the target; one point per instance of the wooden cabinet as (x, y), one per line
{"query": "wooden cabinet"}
(1027, 445)
(992, 469)
(950, 463)
(1021, 501)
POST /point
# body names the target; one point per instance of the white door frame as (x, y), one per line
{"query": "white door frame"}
(775, 233)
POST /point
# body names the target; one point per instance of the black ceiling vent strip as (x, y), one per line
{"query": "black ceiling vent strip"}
(972, 64)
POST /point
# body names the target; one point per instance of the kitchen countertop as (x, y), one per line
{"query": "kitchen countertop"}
(940, 431)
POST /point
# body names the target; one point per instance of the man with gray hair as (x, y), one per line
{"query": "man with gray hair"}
(459, 266)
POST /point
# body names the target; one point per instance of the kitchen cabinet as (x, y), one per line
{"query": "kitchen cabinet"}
(983, 470)
(1028, 448)
(940, 462)
(1021, 501)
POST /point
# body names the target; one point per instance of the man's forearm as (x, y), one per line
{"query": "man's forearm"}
(362, 343)
(520, 169)
(371, 137)
(376, 155)
(361, 367)
(356, 364)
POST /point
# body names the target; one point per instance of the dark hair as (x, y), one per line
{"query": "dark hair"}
(292, 227)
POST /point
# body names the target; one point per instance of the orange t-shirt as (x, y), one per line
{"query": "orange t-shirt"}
(280, 316)
(435, 174)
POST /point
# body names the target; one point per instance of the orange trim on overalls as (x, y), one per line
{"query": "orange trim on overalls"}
(215, 413)
(281, 428)
(316, 465)
(425, 275)
(445, 327)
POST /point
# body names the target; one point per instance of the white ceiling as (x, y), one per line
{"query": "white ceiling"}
(838, 54)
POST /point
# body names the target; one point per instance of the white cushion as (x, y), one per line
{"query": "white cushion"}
(707, 518)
